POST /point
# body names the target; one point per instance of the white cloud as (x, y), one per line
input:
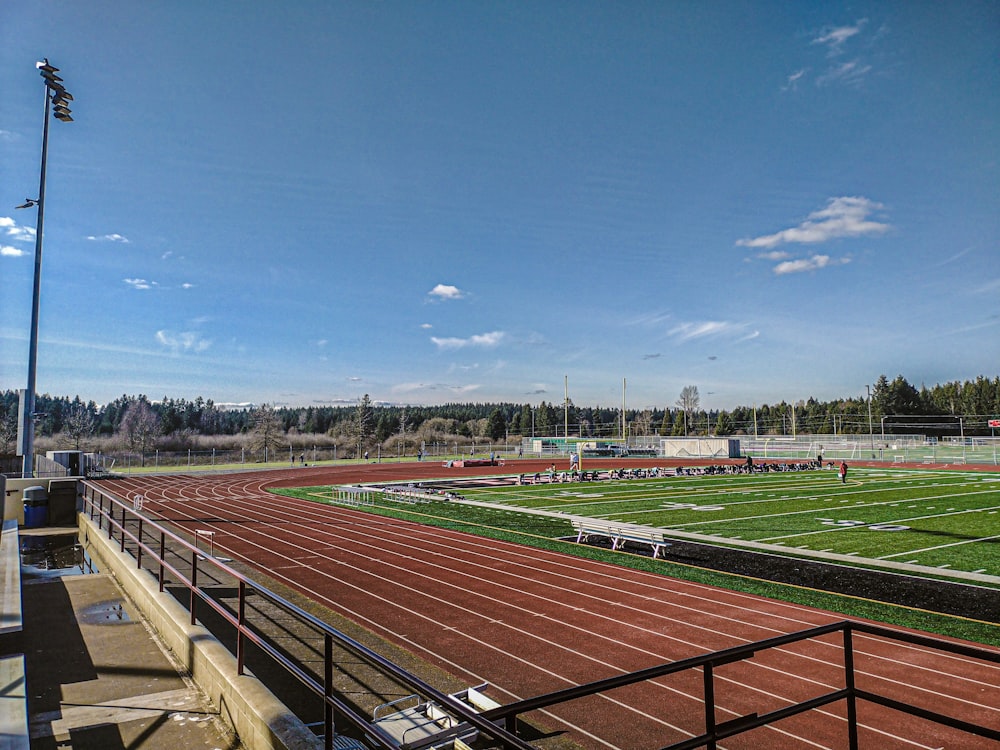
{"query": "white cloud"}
(140, 283)
(833, 39)
(793, 80)
(446, 291)
(775, 255)
(8, 251)
(848, 73)
(186, 341)
(187, 285)
(688, 331)
(484, 340)
(808, 264)
(846, 216)
(426, 326)
(15, 231)
(108, 238)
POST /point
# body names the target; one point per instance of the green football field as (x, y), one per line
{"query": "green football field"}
(938, 520)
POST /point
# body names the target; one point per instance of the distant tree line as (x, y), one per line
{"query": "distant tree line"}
(141, 424)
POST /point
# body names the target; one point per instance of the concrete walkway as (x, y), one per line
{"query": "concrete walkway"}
(96, 678)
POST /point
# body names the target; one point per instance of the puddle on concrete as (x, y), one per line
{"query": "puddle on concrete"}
(104, 613)
(49, 555)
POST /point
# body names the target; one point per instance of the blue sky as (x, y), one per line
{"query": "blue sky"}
(303, 202)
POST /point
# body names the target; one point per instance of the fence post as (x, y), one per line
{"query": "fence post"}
(327, 691)
(240, 643)
(852, 701)
(709, 681)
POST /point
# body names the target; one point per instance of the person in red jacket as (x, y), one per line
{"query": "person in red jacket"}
(843, 471)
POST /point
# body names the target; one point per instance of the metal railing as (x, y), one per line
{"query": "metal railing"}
(184, 562)
(718, 731)
(142, 537)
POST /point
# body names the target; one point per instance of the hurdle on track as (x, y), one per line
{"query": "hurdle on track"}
(345, 495)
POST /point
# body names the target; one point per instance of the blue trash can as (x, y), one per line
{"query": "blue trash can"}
(36, 507)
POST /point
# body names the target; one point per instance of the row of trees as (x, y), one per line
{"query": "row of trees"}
(175, 424)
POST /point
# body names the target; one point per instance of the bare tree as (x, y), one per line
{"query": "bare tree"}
(77, 425)
(8, 431)
(139, 427)
(688, 402)
(266, 433)
(643, 422)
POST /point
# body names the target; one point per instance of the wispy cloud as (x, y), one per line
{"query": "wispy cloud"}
(650, 318)
(843, 217)
(185, 341)
(808, 264)
(988, 287)
(446, 292)
(8, 251)
(834, 38)
(775, 255)
(702, 329)
(792, 81)
(140, 283)
(849, 73)
(482, 340)
(108, 238)
(187, 285)
(15, 231)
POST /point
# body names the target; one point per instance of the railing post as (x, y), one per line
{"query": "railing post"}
(709, 680)
(327, 691)
(121, 530)
(163, 554)
(194, 585)
(138, 548)
(852, 700)
(240, 620)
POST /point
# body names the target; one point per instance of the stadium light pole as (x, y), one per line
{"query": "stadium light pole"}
(871, 431)
(56, 103)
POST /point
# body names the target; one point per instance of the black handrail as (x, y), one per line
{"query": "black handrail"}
(94, 505)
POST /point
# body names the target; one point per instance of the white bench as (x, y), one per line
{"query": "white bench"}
(619, 536)
(415, 724)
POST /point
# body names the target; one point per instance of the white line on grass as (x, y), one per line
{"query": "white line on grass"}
(941, 546)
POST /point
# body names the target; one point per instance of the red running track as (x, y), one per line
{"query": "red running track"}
(530, 621)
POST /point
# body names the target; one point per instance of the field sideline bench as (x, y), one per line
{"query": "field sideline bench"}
(621, 535)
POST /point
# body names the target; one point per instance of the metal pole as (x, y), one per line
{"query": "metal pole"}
(28, 426)
(871, 430)
(566, 406)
